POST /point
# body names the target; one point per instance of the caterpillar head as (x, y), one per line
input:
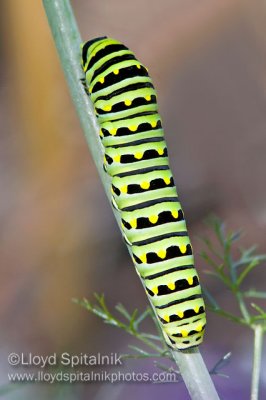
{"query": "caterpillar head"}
(86, 49)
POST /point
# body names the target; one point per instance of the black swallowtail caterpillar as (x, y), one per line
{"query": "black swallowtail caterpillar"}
(143, 189)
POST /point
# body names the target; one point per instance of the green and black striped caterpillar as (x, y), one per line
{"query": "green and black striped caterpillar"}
(143, 188)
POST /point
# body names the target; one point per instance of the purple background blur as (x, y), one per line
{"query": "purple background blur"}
(59, 239)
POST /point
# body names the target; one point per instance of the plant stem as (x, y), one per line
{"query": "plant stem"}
(258, 341)
(190, 363)
(242, 306)
(67, 39)
(238, 294)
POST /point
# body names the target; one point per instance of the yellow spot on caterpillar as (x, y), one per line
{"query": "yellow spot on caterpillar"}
(167, 181)
(133, 128)
(133, 223)
(107, 108)
(143, 258)
(183, 248)
(123, 189)
(138, 155)
(145, 185)
(101, 133)
(101, 80)
(153, 124)
(117, 158)
(90, 89)
(113, 131)
(155, 290)
(128, 102)
(112, 190)
(190, 280)
(139, 66)
(104, 160)
(161, 253)
(199, 328)
(180, 314)
(166, 318)
(148, 98)
(171, 286)
(174, 214)
(153, 219)
(160, 152)
(184, 333)
(116, 71)
(196, 309)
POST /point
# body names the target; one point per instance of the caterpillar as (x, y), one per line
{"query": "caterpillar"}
(143, 188)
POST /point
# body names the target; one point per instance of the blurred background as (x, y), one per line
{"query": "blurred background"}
(59, 239)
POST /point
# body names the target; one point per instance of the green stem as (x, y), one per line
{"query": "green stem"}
(146, 341)
(242, 306)
(237, 292)
(67, 39)
(258, 341)
(191, 362)
(229, 316)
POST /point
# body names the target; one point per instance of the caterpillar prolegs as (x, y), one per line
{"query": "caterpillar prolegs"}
(143, 189)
